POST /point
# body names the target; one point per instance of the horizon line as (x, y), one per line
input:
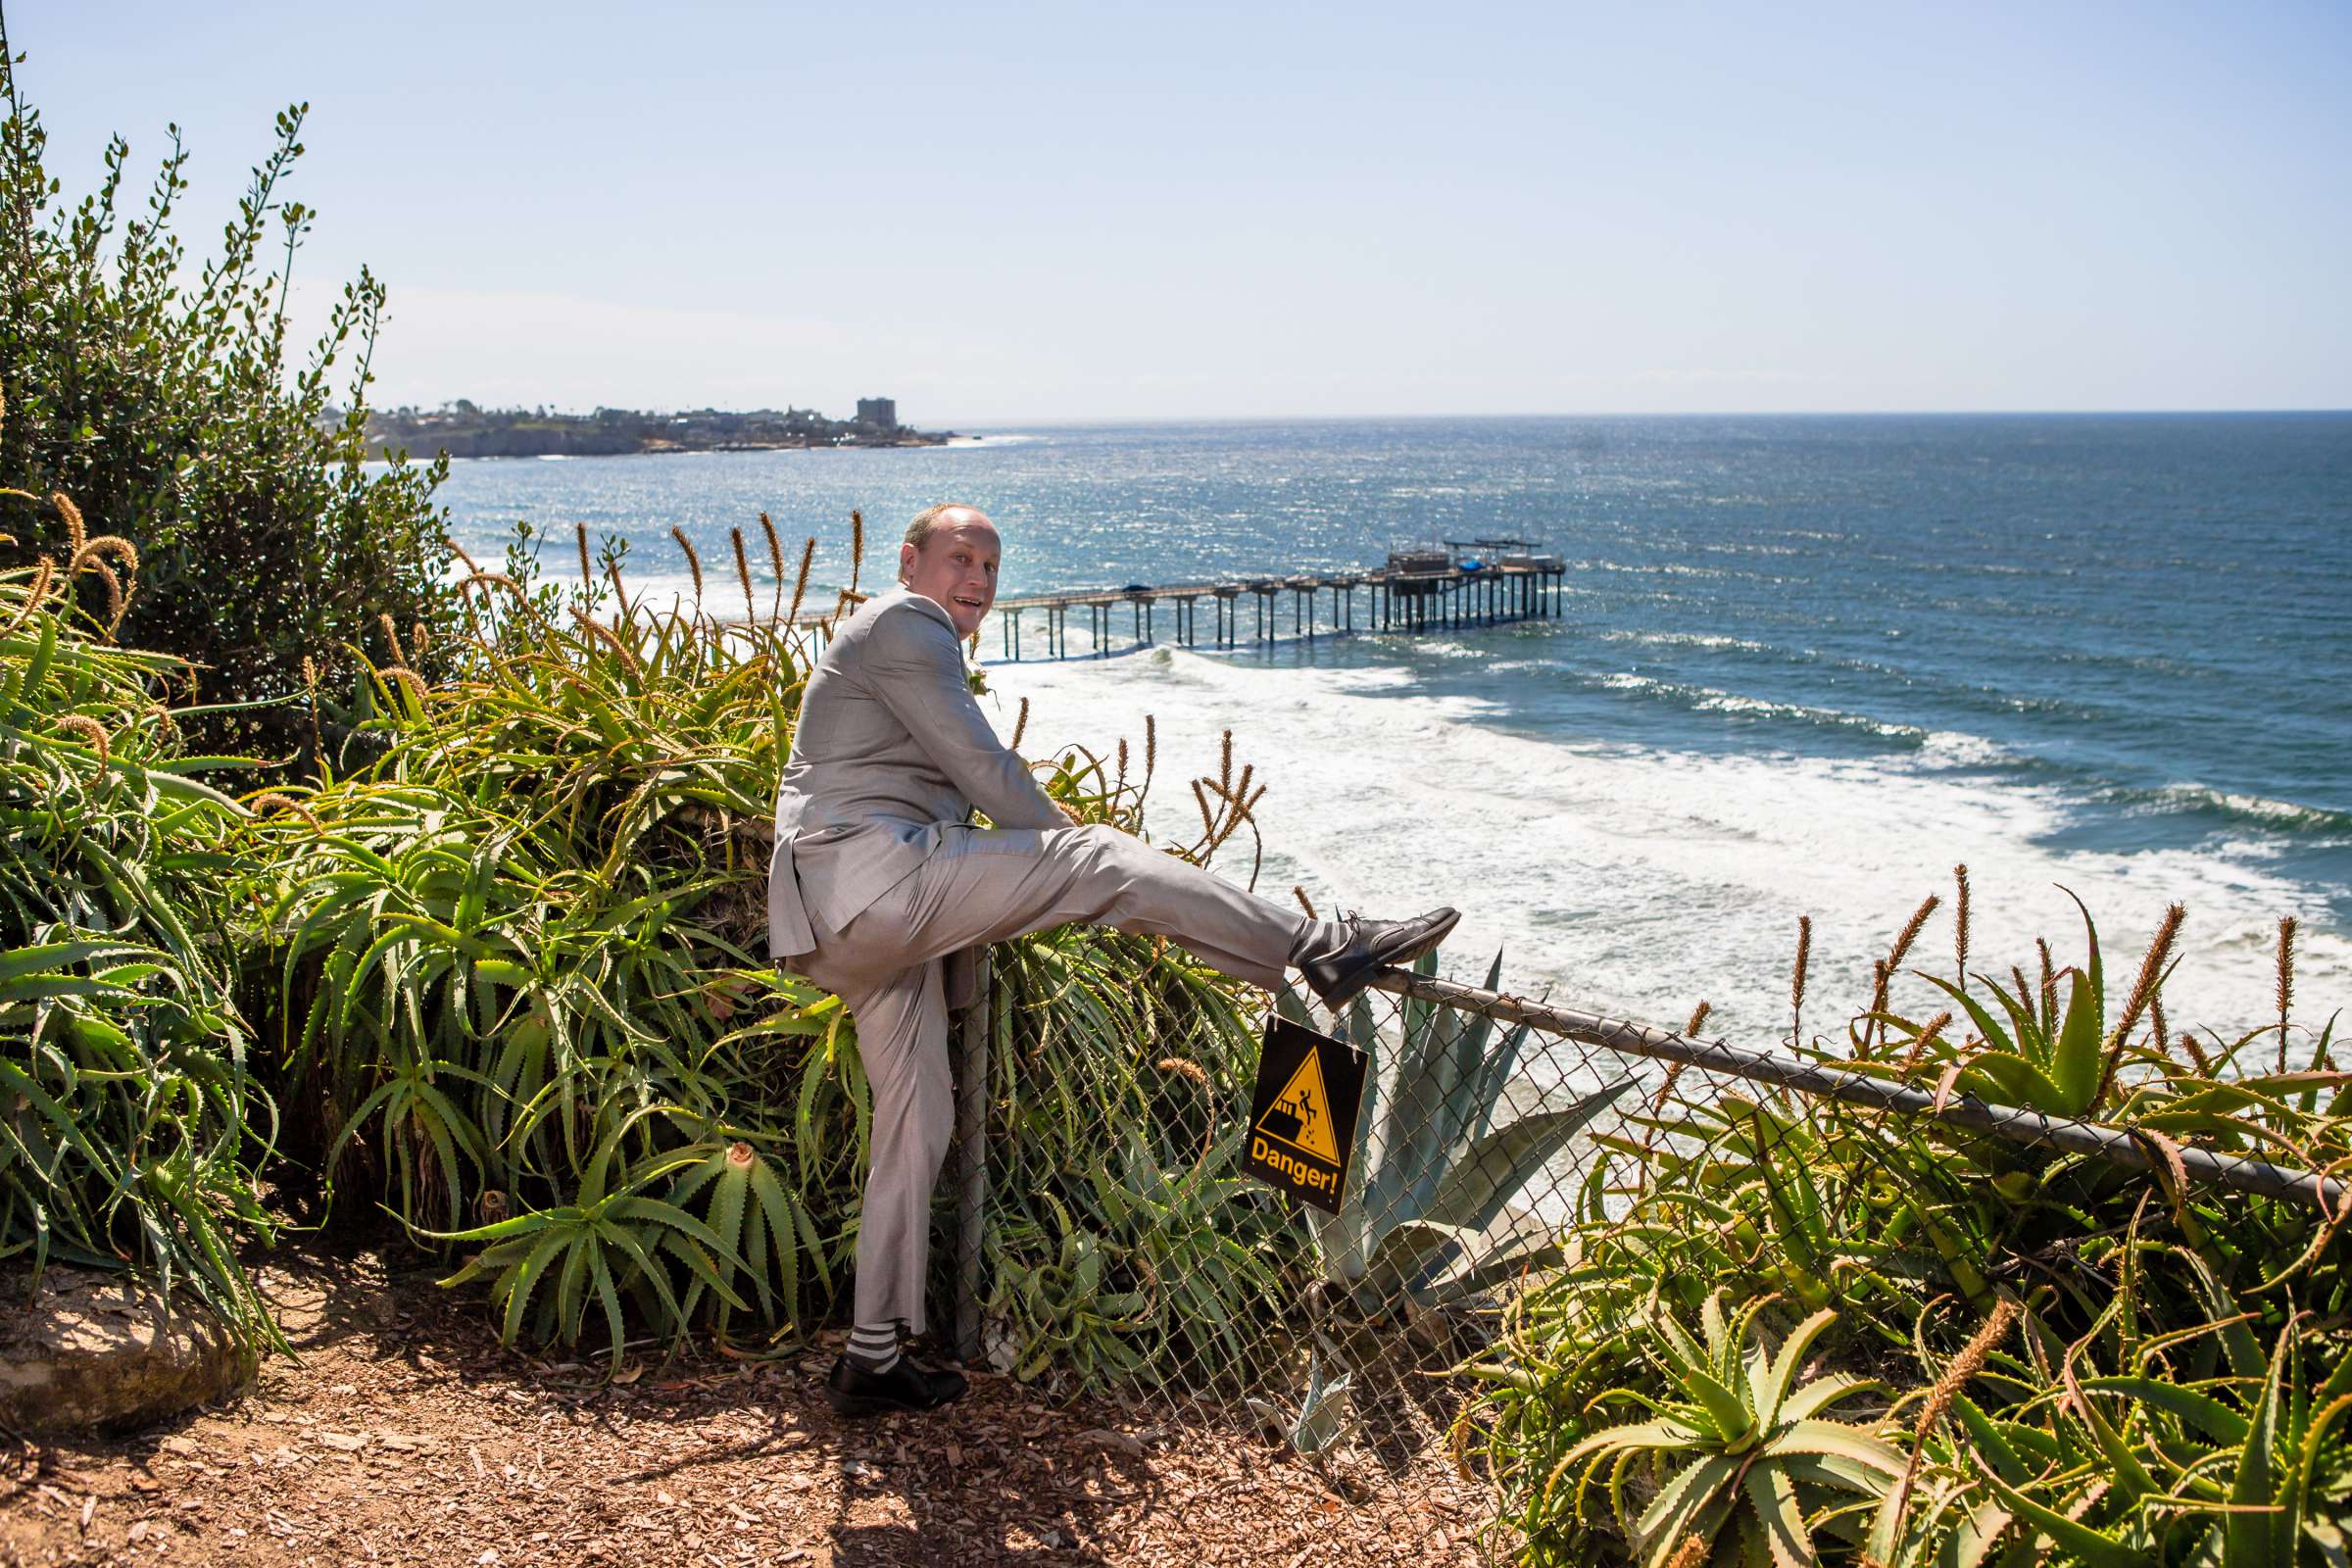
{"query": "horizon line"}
(956, 426)
(1669, 414)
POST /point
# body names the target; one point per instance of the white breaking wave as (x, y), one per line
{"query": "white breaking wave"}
(1952, 748)
(2286, 813)
(1686, 639)
(1642, 881)
(1708, 699)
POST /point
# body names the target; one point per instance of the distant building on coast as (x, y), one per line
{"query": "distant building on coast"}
(464, 430)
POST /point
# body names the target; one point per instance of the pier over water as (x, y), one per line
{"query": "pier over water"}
(1457, 584)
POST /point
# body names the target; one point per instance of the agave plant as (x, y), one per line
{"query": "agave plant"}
(1750, 1433)
(1322, 1416)
(1437, 1209)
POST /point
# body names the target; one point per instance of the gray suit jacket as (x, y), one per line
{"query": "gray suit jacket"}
(889, 747)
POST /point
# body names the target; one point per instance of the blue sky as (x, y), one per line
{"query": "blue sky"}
(1011, 214)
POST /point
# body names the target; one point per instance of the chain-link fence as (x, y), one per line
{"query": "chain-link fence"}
(1341, 1355)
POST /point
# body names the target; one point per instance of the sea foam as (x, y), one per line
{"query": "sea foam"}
(1641, 880)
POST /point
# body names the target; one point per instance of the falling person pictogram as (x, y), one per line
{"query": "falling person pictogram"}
(1301, 1115)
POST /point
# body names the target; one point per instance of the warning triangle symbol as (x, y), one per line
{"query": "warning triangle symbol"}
(1301, 1114)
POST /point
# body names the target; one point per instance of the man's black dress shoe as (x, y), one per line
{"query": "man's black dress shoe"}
(1337, 977)
(853, 1391)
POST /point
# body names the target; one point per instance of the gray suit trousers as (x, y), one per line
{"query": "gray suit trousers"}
(979, 886)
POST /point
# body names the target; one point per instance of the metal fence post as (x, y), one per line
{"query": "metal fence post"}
(971, 1160)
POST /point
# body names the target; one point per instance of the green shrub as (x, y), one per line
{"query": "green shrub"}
(174, 416)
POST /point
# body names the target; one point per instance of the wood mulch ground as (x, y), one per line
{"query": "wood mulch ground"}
(405, 1435)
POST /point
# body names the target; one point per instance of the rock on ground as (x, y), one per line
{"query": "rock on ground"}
(84, 1348)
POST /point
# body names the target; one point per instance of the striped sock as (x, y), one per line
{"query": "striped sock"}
(875, 1345)
(1317, 939)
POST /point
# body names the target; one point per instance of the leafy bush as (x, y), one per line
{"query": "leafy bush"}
(173, 413)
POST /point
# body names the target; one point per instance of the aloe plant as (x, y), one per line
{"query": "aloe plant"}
(520, 938)
(2248, 1469)
(754, 1215)
(1776, 1180)
(1143, 1266)
(1436, 1207)
(132, 1121)
(1751, 1434)
(603, 1241)
(2042, 1053)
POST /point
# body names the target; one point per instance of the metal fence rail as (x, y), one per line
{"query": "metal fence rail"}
(2028, 1128)
(1485, 1132)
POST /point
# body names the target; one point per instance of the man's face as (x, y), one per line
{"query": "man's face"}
(955, 568)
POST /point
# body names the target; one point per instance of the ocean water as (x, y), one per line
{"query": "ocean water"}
(1805, 665)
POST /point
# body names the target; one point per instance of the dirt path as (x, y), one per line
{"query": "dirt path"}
(405, 1435)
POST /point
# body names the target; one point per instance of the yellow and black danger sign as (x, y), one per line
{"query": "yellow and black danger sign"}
(1302, 1117)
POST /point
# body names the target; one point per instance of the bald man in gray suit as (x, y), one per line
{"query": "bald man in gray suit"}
(879, 875)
